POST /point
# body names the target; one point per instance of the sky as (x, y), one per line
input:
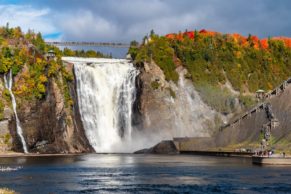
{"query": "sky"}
(126, 20)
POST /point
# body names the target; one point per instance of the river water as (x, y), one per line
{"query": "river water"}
(126, 173)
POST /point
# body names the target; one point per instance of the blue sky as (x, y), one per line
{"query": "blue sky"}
(125, 20)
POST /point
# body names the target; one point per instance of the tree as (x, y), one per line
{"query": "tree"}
(152, 33)
(39, 43)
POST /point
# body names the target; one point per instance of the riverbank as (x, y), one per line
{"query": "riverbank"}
(218, 153)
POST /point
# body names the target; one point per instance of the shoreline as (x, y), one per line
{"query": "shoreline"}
(194, 152)
(15, 155)
(218, 153)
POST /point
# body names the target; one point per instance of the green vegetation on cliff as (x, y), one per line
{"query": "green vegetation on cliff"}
(24, 54)
(212, 59)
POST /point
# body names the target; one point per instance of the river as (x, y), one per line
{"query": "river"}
(126, 173)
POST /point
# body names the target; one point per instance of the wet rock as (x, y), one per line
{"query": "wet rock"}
(164, 147)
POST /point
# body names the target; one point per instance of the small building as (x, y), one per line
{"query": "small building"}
(51, 55)
(260, 94)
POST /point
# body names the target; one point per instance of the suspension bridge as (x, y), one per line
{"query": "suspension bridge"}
(99, 44)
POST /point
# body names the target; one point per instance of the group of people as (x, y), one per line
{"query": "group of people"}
(268, 153)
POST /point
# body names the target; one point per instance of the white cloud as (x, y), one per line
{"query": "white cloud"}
(116, 20)
(83, 25)
(27, 17)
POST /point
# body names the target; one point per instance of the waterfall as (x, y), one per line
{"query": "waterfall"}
(106, 93)
(192, 116)
(8, 79)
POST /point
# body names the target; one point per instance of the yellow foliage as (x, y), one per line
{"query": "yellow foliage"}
(41, 88)
(270, 86)
(42, 78)
(38, 60)
(238, 54)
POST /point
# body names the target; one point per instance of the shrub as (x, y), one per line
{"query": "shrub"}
(7, 138)
(219, 99)
(155, 85)
(1, 110)
(247, 101)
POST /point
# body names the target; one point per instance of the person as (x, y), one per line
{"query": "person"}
(284, 154)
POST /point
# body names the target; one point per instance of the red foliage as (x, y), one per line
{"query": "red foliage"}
(190, 34)
(203, 31)
(264, 44)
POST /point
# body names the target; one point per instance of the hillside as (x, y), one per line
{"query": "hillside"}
(222, 67)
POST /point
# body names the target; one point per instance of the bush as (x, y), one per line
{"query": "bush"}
(1, 110)
(247, 101)
(219, 99)
(155, 85)
(7, 138)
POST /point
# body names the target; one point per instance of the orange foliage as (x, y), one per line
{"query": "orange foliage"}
(170, 36)
(207, 33)
(190, 34)
(286, 40)
(239, 39)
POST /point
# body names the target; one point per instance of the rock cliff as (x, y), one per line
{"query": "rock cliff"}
(49, 125)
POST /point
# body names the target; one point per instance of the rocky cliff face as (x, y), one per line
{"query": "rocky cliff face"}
(49, 125)
(172, 109)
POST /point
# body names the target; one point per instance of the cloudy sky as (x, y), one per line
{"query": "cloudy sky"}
(125, 20)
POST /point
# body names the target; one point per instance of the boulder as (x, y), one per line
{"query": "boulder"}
(164, 147)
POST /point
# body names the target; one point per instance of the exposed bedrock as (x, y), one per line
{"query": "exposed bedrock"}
(49, 126)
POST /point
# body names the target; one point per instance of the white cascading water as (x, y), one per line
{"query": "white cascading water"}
(8, 79)
(106, 93)
(192, 116)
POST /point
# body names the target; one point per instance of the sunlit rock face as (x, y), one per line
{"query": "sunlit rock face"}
(173, 110)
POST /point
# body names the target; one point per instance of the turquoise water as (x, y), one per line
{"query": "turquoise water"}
(122, 173)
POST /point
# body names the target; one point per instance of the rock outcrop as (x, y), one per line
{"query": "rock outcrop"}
(49, 125)
(164, 147)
